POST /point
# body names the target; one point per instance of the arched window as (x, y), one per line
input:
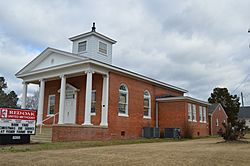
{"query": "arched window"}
(123, 100)
(147, 104)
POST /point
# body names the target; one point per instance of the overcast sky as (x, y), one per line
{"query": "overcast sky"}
(196, 45)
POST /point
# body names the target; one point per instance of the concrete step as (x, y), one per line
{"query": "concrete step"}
(44, 137)
(41, 136)
(40, 141)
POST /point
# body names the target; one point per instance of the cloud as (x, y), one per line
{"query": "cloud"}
(197, 45)
(13, 56)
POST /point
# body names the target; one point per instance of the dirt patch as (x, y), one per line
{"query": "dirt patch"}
(194, 152)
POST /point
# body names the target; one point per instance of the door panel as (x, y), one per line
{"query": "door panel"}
(70, 107)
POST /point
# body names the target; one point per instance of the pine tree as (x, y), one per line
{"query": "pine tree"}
(12, 100)
(229, 102)
(7, 100)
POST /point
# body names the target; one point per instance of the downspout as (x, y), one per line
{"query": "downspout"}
(211, 124)
(156, 114)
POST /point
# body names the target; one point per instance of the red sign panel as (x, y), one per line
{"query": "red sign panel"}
(9, 113)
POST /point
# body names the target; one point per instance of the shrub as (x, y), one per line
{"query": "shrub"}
(234, 132)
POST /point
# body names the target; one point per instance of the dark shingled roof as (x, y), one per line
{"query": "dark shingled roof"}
(165, 96)
(244, 112)
(212, 107)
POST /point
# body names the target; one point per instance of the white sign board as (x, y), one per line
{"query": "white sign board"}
(17, 121)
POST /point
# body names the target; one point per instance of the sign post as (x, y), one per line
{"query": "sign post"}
(16, 125)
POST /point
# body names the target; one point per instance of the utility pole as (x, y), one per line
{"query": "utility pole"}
(242, 100)
(249, 32)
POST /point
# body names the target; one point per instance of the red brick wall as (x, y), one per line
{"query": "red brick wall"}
(133, 124)
(198, 128)
(79, 132)
(220, 114)
(174, 114)
(51, 88)
(97, 85)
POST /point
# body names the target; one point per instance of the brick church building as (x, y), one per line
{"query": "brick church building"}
(83, 96)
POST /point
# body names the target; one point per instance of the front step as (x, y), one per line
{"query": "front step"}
(44, 137)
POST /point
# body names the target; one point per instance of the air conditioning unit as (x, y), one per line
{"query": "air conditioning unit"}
(156, 132)
(172, 132)
(147, 132)
(151, 132)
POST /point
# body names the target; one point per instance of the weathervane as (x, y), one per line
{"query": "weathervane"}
(93, 28)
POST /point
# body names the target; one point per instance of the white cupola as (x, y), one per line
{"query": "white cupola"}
(93, 45)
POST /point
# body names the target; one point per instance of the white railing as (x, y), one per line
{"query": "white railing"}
(54, 119)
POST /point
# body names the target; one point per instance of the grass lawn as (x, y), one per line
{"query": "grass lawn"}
(205, 151)
(76, 145)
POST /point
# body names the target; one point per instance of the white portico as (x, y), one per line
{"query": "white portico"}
(64, 94)
(90, 50)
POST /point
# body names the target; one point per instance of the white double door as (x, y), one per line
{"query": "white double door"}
(70, 106)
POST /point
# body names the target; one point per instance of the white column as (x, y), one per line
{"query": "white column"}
(24, 95)
(105, 97)
(40, 103)
(87, 116)
(62, 99)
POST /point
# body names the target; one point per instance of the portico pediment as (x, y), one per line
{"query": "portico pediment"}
(50, 58)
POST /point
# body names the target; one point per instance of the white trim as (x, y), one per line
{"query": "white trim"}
(149, 107)
(71, 86)
(74, 90)
(123, 115)
(147, 117)
(194, 113)
(85, 47)
(182, 98)
(53, 68)
(43, 55)
(84, 60)
(222, 110)
(133, 74)
(123, 92)
(93, 113)
(200, 114)
(62, 99)
(88, 94)
(24, 95)
(92, 33)
(190, 112)
(217, 122)
(41, 102)
(204, 112)
(105, 97)
(48, 108)
(101, 41)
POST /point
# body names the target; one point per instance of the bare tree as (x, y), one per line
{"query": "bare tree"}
(32, 101)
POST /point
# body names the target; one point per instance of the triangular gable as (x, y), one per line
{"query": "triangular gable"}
(69, 87)
(222, 109)
(49, 58)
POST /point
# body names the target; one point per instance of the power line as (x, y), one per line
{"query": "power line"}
(245, 79)
(247, 95)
